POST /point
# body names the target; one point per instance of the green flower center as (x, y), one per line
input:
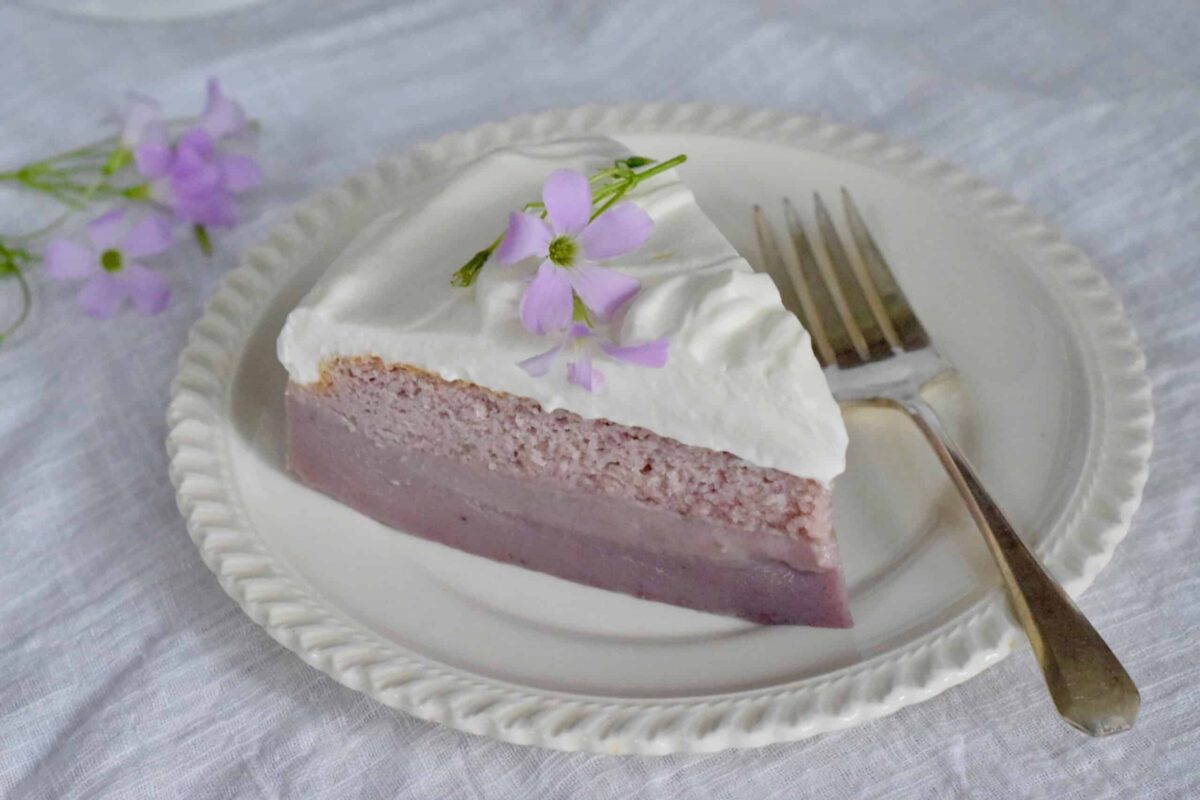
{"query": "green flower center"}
(110, 260)
(563, 251)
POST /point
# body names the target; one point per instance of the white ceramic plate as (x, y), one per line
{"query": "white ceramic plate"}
(1053, 403)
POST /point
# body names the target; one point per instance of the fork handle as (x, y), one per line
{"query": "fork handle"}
(1090, 688)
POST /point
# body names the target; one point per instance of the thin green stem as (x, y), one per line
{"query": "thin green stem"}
(110, 142)
(61, 186)
(637, 178)
(56, 175)
(670, 163)
(61, 196)
(612, 200)
(100, 187)
(202, 239)
(80, 152)
(26, 305)
(604, 173)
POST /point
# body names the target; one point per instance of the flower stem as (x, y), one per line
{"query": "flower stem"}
(61, 176)
(101, 149)
(94, 149)
(466, 274)
(670, 163)
(13, 261)
(600, 175)
(636, 178)
(26, 305)
(60, 184)
(202, 239)
(617, 195)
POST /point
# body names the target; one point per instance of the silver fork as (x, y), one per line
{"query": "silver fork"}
(875, 351)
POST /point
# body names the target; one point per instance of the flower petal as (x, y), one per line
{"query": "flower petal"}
(620, 230)
(583, 373)
(539, 365)
(221, 211)
(568, 199)
(239, 173)
(153, 155)
(221, 116)
(149, 236)
(602, 290)
(649, 354)
(147, 288)
(140, 111)
(67, 260)
(195, 143)
(578, 331)
(526, 236)
(546, 303)
(101, 297)
(192, 175)
(105, 230)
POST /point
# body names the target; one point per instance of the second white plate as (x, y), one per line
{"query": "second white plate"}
(1059, 424)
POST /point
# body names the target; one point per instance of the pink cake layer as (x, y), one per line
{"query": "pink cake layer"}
(591, 501)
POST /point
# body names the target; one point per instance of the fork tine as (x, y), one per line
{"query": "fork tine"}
(868, 287)
(859, 352)
(899, 315)
(855, 310)
(776, 264)
(829, 323)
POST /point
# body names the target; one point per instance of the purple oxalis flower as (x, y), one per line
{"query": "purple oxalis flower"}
(568, 246)
(192, 177)
(110, 265)
(581, 371)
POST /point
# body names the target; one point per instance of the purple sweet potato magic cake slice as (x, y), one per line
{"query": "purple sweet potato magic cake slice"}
(695, 470)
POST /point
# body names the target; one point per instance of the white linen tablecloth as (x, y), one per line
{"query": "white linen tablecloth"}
(125, 670)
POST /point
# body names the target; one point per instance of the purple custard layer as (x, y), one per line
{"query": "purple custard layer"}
(586, 500)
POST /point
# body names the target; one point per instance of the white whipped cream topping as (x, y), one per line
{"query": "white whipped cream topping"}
(740, 375)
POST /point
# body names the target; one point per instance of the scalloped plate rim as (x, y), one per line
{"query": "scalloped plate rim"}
(962, 647)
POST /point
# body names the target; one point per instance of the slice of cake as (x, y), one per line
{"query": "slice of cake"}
(658, 426)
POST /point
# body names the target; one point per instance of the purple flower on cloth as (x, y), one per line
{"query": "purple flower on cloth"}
(110, 265)
(192, 177)
(568, 246)
(581, 371)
